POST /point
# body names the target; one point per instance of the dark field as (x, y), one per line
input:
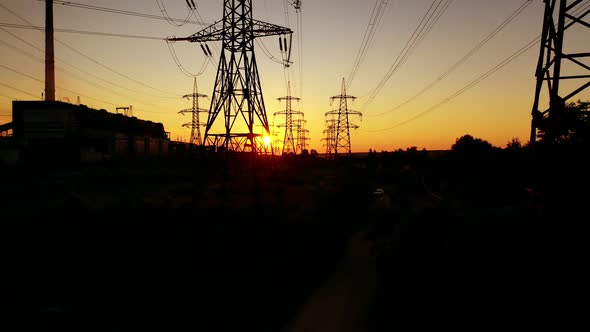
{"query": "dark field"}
(233, 244)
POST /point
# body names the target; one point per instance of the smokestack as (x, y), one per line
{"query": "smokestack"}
(49, 53)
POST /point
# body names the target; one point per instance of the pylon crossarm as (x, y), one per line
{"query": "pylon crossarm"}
(214, 32)
(264, 29)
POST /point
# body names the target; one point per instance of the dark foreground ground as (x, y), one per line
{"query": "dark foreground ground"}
(212, 245)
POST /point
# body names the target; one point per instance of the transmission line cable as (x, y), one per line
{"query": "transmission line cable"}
(181, 67)
(75, 67)
(172, 20)
(19, 90)
(469, 85)
(88, 57)
(469, 54)
(374, 21)
(430, 18)
(482, 77)
(82, 32)
(61, 69)
(119, 11)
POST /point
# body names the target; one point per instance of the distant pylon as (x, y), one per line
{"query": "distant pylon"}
(289, 143)
(195, 124)
(301, 137)
(339, 130)
(329, 133)
(237, 93)
(549, 71)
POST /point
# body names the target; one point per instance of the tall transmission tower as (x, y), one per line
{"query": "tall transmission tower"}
(195, 124)
(301, 138)
(330, 133)
(237, 93)
(552, 63)
(340, 137)
(289, 142)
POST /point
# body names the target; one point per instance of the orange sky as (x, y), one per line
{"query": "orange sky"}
(118, 71)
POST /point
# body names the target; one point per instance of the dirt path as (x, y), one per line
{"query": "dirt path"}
(342, 304)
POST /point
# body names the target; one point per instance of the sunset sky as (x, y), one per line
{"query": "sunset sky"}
(423, 96)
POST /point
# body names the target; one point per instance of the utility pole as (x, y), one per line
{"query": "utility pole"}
(49, 53)
(195, 124)
(340, 135)
(289, 144)
(237, 93)
(552, 57)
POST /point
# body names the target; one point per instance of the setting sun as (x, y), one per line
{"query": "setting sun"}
(266, 140)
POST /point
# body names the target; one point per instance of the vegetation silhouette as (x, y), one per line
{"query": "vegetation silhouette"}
(474, 238)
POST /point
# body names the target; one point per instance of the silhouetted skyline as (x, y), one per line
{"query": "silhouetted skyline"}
(421, 95)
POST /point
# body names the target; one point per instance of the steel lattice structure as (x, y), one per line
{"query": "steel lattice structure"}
(289, 142)
(195, 124)
(237, 93)
(553, 58)
(338, 131)
(302, 134)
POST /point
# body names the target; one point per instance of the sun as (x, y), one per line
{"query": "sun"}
(266, 140)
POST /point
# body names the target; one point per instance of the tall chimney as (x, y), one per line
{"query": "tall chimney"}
(49, 53)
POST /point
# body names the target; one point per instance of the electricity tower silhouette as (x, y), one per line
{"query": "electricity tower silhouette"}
(237, 92)
(302, 134)
(195, 124)
(289, 143)
(551, 66)
(338, 125)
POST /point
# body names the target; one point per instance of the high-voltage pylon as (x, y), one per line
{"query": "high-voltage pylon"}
(302, 136)
(289, 142)
(195, 124)
(339, 139)
(554, 61)
(237, 92)
(330, 132)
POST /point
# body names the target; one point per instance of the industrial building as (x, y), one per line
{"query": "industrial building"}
(55, 130)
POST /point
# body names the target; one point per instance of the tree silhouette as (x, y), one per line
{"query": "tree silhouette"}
(571, 126)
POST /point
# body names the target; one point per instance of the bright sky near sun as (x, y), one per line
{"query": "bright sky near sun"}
(427, 75)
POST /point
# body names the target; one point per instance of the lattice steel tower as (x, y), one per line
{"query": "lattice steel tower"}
(289, 142)
(237, 93)
(551, 70)
(338, 138)
(195, 124)
(302, 136)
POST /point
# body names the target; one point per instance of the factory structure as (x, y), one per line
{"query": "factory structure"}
(50, 130)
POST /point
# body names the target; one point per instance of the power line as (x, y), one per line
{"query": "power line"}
(172, 20)
(374, 21)
(430, 18)
(94, 33)
(75, 67)
(84, 55)
(482, 77)
(469, 54)
(468, 86)
(62, 70)
(19, 90)
(122, 12)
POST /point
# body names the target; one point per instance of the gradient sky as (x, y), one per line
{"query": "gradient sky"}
(120, 71)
